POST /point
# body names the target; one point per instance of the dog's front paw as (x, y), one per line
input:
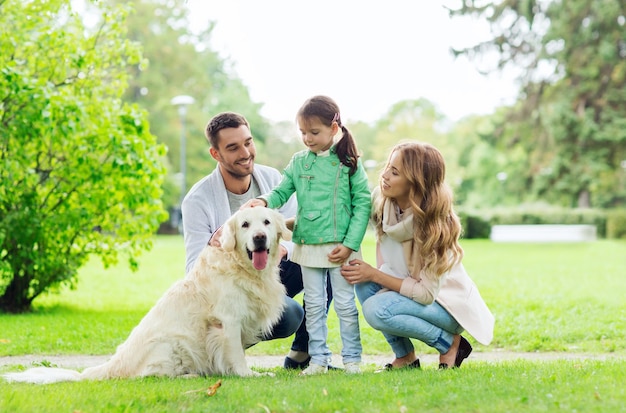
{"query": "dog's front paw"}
(189, 376)
(258, 374)
(248, 373)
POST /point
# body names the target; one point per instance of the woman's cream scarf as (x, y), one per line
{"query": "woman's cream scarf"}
(402, 231)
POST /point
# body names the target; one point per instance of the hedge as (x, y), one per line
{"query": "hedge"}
(478, 223)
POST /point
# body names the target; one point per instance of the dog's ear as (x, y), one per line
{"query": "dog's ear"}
(228, 238)
(283, 231)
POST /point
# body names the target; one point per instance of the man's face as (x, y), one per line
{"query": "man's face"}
(235, 151)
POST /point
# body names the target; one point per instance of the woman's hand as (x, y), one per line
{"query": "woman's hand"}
(358, 271)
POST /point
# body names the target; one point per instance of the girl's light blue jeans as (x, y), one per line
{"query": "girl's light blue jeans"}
(315, 297)
(400, 319)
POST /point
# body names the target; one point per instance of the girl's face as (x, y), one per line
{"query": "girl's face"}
(393, 182)
(315, 135)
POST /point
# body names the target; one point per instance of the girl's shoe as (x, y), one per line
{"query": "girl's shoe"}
(314, 369)
(353, 367)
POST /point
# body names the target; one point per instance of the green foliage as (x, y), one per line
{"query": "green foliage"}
(474, 224)
(79, 170)
(279, 146)
(416, 119)
(567, 134)
(545, 215)
(179, 61)
(616, 224)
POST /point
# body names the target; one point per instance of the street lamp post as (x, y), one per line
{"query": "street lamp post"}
(502, 177)
(182, 101)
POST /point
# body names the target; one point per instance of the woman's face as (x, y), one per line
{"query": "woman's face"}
(393, 182)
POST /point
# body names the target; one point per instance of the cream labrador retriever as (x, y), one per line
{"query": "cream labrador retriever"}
(203, 323)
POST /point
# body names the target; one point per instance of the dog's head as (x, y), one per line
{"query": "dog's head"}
(256, 233)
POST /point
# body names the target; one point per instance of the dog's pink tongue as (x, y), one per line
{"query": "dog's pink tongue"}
(259, 259)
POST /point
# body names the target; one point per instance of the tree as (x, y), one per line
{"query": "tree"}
(419, 120)
(487, 175)
(80, 174)
(571, 56)
(179, 61)
(284, 135)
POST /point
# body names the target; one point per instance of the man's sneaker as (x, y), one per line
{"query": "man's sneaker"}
(353, 367)
(314, 369)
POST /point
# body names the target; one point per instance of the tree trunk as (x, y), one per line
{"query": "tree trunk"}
(15, 298)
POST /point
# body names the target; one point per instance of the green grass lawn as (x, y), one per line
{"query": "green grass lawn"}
(546, 297)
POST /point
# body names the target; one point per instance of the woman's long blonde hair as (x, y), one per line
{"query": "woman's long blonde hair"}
(437, 227)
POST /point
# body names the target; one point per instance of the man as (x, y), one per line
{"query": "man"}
(213, 199)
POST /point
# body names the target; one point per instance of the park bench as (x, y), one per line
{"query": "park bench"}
(543, 233)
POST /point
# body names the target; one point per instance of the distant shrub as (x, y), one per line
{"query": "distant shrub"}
(478, 223)
(616, 224)
(474, 225)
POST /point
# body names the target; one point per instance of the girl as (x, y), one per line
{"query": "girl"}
(334, 203)
(420, 289)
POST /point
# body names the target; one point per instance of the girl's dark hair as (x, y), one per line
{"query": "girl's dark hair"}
(327, 111)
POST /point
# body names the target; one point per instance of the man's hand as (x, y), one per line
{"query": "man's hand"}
(215, 238)
(282, 253)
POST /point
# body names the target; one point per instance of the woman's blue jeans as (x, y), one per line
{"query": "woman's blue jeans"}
(400, 319)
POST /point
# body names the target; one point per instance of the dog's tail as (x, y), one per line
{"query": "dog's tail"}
(43, 375)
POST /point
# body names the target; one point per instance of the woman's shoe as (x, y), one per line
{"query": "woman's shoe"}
(388, 367)
(462, 353)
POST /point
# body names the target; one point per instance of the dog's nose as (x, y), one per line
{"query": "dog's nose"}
(260, 240)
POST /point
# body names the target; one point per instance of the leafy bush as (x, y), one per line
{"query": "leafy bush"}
(474, 225)
(80, 173)
(616, 224)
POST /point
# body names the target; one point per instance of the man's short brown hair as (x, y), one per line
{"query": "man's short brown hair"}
(222, 121)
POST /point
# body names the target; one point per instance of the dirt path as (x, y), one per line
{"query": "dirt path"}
(81, 361)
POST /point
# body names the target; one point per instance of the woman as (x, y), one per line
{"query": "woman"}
(420, 289)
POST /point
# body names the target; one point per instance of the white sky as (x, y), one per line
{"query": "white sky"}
(365, 54)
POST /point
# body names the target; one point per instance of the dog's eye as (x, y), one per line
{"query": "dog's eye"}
(267, 222)
(245, 224)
